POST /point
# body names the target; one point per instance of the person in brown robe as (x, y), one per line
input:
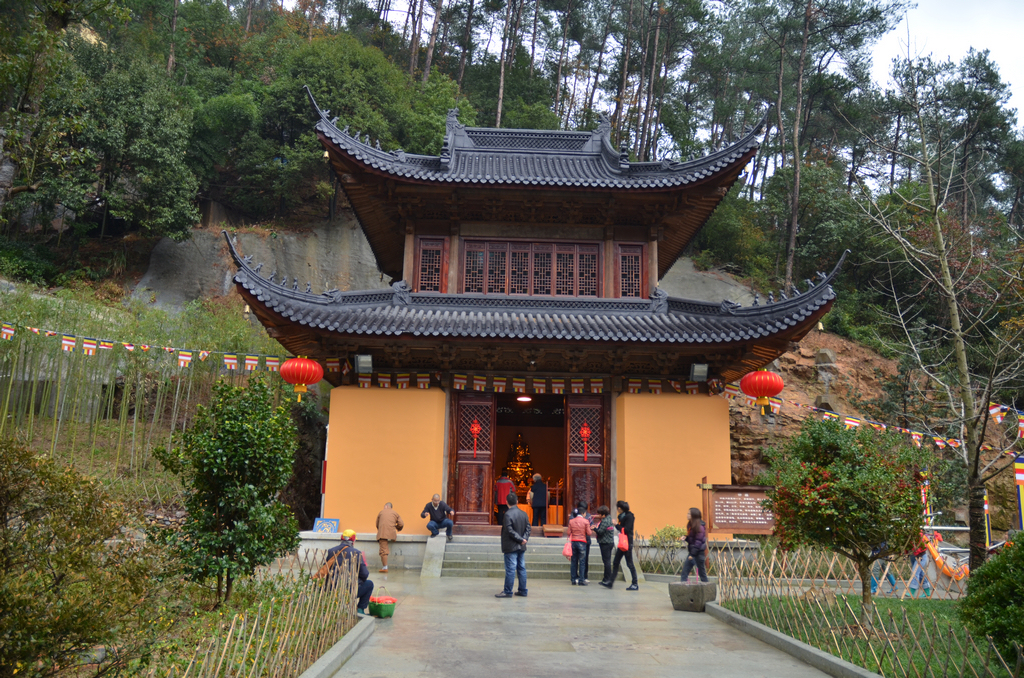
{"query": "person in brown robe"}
(389, 524)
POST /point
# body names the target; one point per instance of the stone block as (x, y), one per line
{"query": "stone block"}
(824, 402)
(824, 356)
(692, 597)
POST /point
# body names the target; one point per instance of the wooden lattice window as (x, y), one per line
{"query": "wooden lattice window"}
(631, 271)
(432, 265)
(561, 269)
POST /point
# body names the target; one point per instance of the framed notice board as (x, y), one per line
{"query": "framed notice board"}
(736, 509)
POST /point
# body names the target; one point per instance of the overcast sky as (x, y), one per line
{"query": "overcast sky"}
(948, 28)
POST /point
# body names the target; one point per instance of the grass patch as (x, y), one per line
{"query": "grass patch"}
(905, 637)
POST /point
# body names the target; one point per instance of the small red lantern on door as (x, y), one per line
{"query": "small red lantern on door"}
(301, 372)
(475, 429)
(762, 385)
(585, 436)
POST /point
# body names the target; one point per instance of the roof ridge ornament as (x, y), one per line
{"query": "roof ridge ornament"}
(402, 293)
(659, 301)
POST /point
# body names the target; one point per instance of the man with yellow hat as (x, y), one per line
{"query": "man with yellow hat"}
(342, 555)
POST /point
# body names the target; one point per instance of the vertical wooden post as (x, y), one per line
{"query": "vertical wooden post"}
(652, 260)
(408, 274)
(455, 259)
(609, 285)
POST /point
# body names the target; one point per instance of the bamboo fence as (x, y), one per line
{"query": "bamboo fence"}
(815, 597)
(281, 638)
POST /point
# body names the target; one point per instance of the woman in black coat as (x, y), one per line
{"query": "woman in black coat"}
(625, 524)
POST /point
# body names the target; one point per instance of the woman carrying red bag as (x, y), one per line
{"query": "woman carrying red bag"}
(625, 524)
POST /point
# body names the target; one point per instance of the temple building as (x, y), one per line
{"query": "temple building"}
(525, 329)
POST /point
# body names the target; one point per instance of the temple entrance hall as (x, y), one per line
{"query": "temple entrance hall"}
(560, 436)
(529, 439)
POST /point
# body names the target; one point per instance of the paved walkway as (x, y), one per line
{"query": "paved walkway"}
(456, 627)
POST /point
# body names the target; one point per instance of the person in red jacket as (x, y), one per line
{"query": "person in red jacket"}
(502, 486)
(579, 534)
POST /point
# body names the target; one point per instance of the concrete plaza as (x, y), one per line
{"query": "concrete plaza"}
(454, 626)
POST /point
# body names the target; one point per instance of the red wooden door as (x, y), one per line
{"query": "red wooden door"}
(585, 464)
(473, 501)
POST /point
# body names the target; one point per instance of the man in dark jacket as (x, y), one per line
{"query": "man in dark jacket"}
(515, 532)
(440, 515)
(340, 556)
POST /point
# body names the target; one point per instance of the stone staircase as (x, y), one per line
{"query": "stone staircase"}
(479, 556)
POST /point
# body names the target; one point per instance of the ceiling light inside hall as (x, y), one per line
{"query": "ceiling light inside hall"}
(524, 399)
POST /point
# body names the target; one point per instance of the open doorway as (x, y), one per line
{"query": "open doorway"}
(530, 438)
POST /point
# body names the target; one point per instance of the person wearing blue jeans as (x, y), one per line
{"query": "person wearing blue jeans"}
(515, 532)
(440, 515)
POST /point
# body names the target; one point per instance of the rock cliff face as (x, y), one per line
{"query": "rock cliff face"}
(327, 255)
(852, 374)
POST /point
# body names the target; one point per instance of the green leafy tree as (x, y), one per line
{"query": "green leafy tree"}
(994, 605)
(853, 492)
(234, 461)
(70, 580)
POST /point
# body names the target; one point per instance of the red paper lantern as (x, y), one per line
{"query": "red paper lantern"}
(762, 385)
(301, 372)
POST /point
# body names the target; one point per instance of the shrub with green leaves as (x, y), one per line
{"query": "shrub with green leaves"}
(71, 578)
(233, 462)
(994, 605)
(851, 491)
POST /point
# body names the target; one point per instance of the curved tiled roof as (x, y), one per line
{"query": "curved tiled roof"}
(481, 156)
(661, 319)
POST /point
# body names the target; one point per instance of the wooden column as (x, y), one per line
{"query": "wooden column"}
(652, 260)
(409, 262)
(609, 262)
(454, 259)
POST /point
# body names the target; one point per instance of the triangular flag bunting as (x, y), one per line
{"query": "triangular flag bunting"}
(7, 332)
(916, 437)
(676, 385)
(203, 355)
(184, 358)
(996, 412)
(346, 367)
(127, 346)
(106, 345)
(775, 403)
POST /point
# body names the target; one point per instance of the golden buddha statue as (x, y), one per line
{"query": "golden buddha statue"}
(519, 468)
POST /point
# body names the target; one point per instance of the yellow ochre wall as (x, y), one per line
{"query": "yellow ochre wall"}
(664, 445)
(384, 445)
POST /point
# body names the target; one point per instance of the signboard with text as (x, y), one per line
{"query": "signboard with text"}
(737, 509)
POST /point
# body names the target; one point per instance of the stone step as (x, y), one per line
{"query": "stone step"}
(563, 563)
(530, 574)
(499, 558)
